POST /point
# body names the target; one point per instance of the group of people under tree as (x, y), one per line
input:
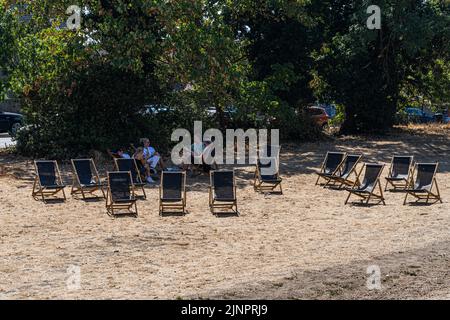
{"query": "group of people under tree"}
(149, 160)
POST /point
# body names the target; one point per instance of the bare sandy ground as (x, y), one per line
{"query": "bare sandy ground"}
(305, 244)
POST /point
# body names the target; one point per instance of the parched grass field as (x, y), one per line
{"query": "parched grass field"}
(305, 244)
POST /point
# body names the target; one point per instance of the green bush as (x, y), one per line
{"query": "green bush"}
(90, 109)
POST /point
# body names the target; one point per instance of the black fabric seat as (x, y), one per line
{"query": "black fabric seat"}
(367, 189)
(333, 160)
(55, 186)
(86, 179)
(399, 172)
(131, 166)
(48, 181)
(222, 194)
(172, 192)
(342, 175)
(422, 187)
(267, 177)
(120, 195)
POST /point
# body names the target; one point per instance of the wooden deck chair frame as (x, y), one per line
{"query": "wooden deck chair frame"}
(138, 176)
(111, 206)
(40, 192)
(334, 173)
(79, 189)
(336, 180)
(165, 207)
(399, 184)
(366, 197)
(266, 186)
(429, 194)
(217, 204)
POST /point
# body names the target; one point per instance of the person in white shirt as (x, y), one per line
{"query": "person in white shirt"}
(151, 157)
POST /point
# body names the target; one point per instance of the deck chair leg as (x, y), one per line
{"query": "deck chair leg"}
(348, 198)
(368, 198)
(428, 197)
(145, 195)
(82, 193)
(406, 197)
(64, 194)
(381, 193)
(42, 194)
(34, 189)
(135, 208)
(317, 182)
(386, 187)
(438, 192)
(103, 192)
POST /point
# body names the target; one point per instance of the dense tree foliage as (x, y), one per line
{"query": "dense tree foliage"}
(257, 63)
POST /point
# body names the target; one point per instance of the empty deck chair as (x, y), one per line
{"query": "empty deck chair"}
(422, 187)
(131, 166)
(222, 191)
(172, 192)
(333, 161)
(267, 176)
(367, 190)
(48, 181)
(399, 172)
(343, 176)
(120, 194)
(86, 180)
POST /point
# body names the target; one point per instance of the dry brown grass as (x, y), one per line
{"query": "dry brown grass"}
(304, 244)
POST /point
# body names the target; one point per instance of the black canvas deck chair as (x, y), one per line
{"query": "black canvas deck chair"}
(86, 180)
(330, 166)
(399, 172)
(267, 176)
(346, 174)
(48, 181)
(222, 192)
(120, 198)
(172, 192)
(131, 166)
(422, 187)
(367, 190)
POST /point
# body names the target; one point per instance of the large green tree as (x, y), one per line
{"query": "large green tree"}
(366, 70)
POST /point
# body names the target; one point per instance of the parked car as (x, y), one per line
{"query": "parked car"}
(417, 115)
(10, 122)
(319, 116)
(330, 109)
(153, 109)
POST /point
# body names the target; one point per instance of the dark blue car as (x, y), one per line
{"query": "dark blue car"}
(10, 122)
(418, 115)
